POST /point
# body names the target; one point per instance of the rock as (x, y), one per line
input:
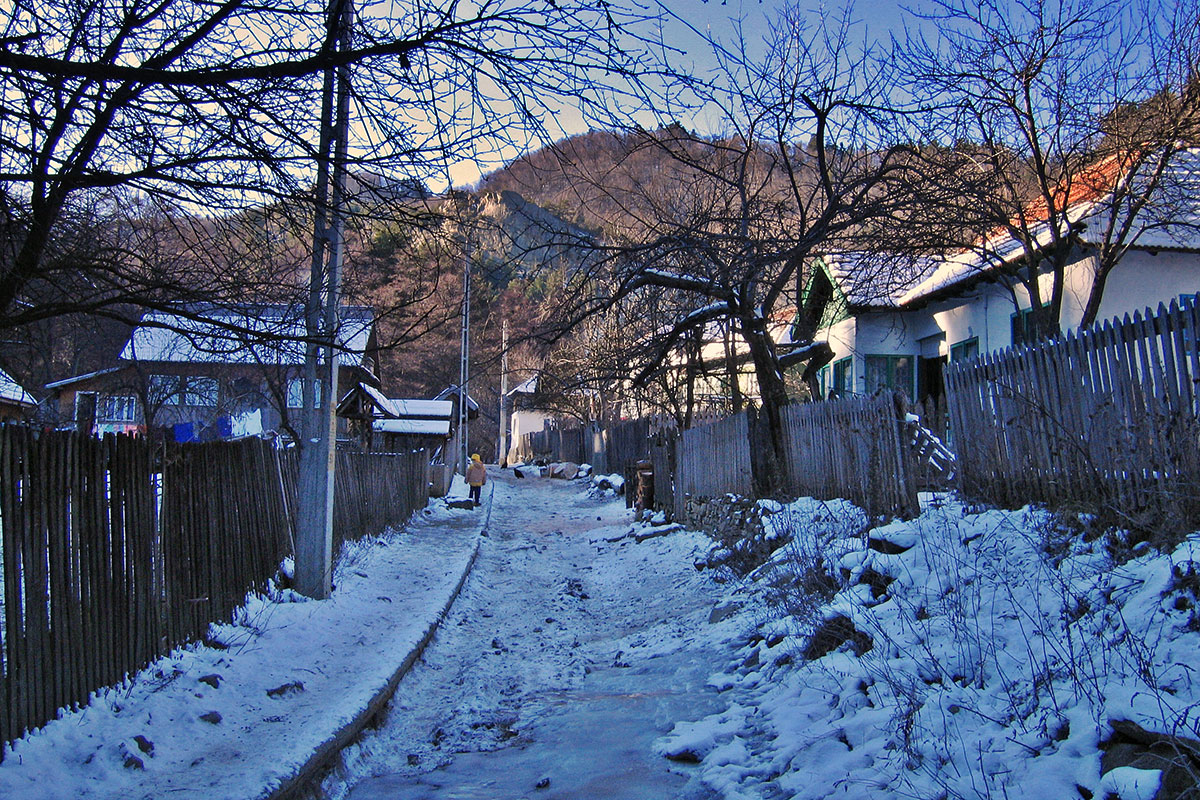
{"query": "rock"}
(564, 470)
(723, 612)
(144, 744)
(684, 756)
(213, 680)
(212, 717)
(286, 689)
(544, 783)
(832, 634)
(887, 546)
(129, 759)
(1131, 745)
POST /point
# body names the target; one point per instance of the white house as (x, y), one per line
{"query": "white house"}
(957, 307)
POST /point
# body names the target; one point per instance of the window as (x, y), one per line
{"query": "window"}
(164, 390)
(890, 372)
(823, 382)
(118, 408)
(201, 392)
(843, 376)
(1023, 329)
(295, 393)
(967, 348)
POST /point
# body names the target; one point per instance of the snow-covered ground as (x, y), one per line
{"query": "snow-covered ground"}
(234, 721)
(959, 655)
(971, 655)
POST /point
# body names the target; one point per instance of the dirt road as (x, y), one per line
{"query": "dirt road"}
(567, 655)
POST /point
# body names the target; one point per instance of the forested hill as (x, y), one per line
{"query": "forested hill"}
(599, 180)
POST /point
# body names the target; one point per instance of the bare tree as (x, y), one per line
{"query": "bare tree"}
(193, 112)
(1065, 122)
(811, 161)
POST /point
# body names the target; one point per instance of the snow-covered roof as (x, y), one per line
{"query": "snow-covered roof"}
(385, 404)
(13, 392)
(452, 392)
(525, 387)
(252, 334)
(438, 409)
(429, 427)
(85, 377)
(877, 279)
(1085, 206)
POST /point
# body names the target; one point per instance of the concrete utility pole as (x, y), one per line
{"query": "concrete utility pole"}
(464, 372)
(318, 448)
(502, 449)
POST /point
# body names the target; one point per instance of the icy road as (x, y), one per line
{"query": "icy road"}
(572, 648)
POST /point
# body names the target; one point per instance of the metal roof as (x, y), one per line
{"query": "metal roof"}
(251, 334)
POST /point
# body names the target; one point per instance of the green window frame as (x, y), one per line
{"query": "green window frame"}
(843, 376)
(967, 348)
(1022, 322)
(891, 372)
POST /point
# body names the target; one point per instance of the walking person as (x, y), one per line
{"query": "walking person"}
(476, 477)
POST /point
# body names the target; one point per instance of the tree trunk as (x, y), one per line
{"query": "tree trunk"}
(771, 465)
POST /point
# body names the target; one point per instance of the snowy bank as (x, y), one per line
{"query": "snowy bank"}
(956, 655)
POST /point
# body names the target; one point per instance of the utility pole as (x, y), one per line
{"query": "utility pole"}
(318, 448)
(502, 450)
(464, 373)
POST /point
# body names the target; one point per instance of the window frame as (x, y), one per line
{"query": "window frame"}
(957, 349)
(126, 402)
(210, 397)
(165, 390)
(843, 368)
(893, 359)
(294, 393)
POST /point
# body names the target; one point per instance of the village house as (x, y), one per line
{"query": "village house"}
(211, 372)
(15, 402)
(901, 334)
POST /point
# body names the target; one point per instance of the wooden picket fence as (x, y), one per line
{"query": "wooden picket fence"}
(375, 490)
(1105, 418)
(852, 448)
(608, 448)
(114, 551)
(712, 460)
(224, 529)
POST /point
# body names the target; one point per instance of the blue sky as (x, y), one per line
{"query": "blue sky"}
(720, 18)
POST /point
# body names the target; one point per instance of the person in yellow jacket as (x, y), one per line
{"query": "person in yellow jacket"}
(476, 477)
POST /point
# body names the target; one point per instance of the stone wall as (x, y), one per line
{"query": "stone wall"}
(726, 518)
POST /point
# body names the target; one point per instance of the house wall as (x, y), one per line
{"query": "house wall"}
(522, 422)
(1141, 280)
(985, 311)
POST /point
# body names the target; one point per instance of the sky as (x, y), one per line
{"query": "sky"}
(686, 23)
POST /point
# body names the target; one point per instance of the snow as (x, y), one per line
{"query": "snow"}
(1002, 647)
(1130, 783)
(245, 335)
(995, 668)
(11, 390)
(293, 672)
